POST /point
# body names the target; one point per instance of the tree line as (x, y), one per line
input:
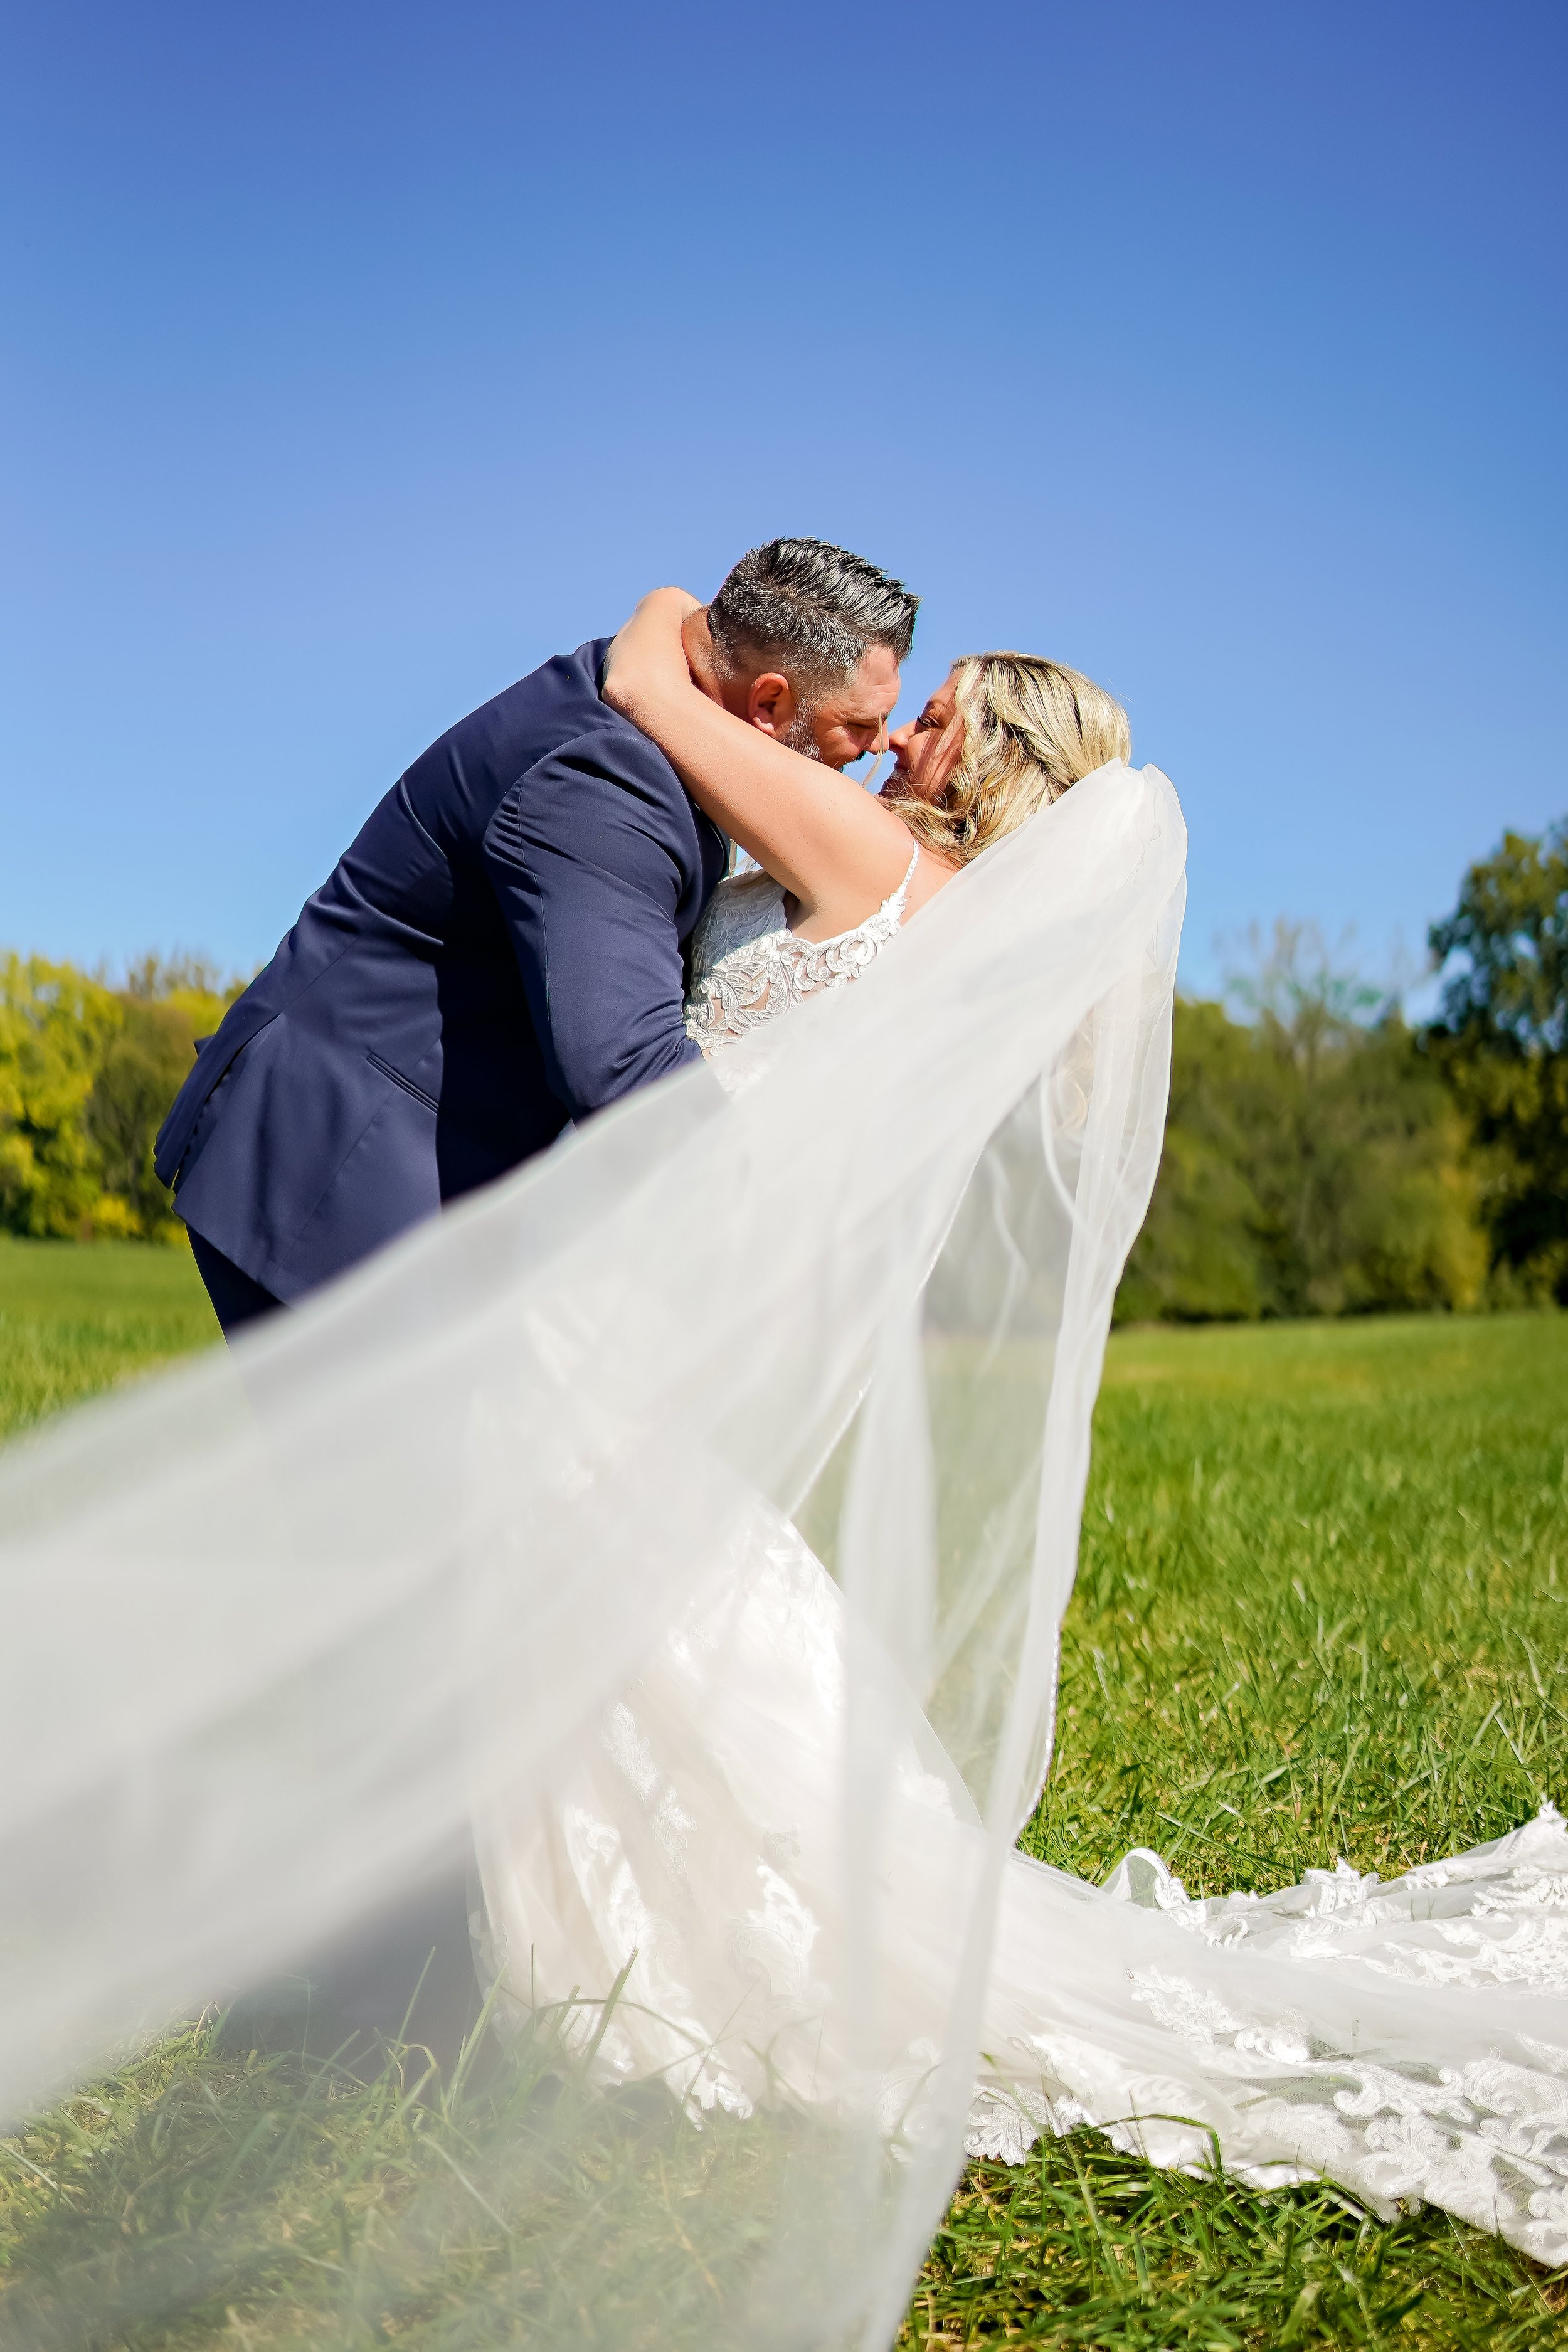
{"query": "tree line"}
(1325, 1157)
(1322, 1155)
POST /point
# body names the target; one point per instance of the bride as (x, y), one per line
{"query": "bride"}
(1407, 2040)
(718, 1478)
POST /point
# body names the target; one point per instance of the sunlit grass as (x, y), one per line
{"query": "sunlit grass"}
(76, 1316)
(1324, 1600)
(1323, 1608)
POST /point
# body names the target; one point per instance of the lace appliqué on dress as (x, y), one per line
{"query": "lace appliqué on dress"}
(748, 967)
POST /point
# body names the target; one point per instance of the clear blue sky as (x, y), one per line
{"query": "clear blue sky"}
(357, 357)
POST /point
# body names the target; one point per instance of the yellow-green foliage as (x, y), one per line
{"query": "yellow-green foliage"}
(55, 1028)
(87, 1073)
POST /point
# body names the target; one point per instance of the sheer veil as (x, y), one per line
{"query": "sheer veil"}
(279, 1624)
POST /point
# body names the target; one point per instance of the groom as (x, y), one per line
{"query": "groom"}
(499, 951)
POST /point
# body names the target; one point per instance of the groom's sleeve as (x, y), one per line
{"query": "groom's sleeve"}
(584, 857)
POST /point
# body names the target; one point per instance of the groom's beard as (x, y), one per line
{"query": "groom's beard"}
(800, 737)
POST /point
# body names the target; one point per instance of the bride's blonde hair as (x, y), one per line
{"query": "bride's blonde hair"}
(1031, 728)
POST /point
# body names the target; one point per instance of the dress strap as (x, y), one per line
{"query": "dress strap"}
(895, 905)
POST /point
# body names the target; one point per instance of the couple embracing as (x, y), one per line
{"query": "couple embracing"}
(534, 922)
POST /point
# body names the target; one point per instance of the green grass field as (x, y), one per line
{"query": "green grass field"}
(76, 1317)
(1323, 1609)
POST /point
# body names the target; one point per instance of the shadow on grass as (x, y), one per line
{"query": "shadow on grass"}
(204, 2195)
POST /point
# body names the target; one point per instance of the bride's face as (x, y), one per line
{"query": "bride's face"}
(926, 751)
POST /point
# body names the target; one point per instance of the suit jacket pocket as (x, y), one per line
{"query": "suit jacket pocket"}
(386, 1070)
(216, 1058)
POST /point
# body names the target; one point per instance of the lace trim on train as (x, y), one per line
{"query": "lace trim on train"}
(1488, 2139)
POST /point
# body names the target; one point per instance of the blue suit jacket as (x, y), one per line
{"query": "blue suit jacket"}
(499, 952)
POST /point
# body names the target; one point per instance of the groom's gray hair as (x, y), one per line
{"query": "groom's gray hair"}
(812, 608)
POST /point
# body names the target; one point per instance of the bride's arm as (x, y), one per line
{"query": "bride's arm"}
(820, 834)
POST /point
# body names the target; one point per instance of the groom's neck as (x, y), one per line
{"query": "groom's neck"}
(701, 659)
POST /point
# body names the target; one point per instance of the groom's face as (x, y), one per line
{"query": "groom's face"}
(839, 723)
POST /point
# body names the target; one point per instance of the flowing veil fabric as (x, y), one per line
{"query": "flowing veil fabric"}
(279, 1626)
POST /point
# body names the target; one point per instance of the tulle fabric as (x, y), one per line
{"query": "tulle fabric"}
(279, 1624)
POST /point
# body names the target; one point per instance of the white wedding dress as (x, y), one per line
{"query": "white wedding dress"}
(1408, 2041)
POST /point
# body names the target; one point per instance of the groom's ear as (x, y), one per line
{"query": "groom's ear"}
(770, 703)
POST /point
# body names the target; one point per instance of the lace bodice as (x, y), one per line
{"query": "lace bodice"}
(748, 967)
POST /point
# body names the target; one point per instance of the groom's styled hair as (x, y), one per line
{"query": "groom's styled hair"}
(810, 608)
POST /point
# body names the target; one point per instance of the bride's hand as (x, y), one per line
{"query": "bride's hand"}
(647, 658)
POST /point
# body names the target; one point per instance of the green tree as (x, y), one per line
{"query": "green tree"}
(1501, 1041)
(1358, 1157)
(1314, 1162)
(1199, 1257)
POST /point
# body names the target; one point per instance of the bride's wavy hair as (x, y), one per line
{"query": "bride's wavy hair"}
(1031, 730)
